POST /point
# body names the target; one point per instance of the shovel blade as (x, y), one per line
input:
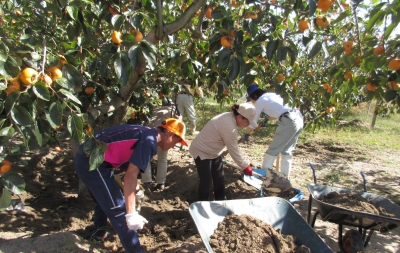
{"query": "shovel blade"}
(253, 181)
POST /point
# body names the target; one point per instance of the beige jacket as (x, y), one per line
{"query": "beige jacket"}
(220, 132)
(191, 90)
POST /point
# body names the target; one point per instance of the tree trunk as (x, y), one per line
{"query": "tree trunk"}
(375, 114)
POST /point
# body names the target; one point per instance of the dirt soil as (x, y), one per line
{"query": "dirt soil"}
(56, 220)
(354, 202)
(244, 233)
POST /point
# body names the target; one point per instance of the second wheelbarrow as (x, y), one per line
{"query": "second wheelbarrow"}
(342, 216)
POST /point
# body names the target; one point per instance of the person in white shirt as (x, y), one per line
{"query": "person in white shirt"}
(290, 125)
(207, 147)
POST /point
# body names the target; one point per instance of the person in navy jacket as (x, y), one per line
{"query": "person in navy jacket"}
(130, 147)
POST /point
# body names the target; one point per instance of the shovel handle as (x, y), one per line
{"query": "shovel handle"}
(313, 170)
(258, 175)
(364, 181)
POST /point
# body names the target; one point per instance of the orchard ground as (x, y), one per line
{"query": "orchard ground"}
(56, 220)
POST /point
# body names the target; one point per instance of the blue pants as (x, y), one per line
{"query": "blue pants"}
(109, 200)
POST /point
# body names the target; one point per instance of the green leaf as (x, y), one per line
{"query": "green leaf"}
(341, 17)
(63, 82)
(41, 91)
(11, 67)
(218, 12)
(89, 145)
(234, 68)
(102, 146)
(73, 75)
(21, 116)
(14, 182)
(271, 48)
(389, 29)
(149, 55)
(70, 96)
(3, 51)
(133, 55)
(73, 12)
(282, 53)
(313, 7)
(255, 50)
(2, 122)
(390, 95)
(96, 158)
(104, 63)
(122, 68)
(313, 48)
(5, 199)
(75, 127)
(54, 116)
(249, 79)
(117, 21)
(223, 58)
(71, 32)
(7, 131)
(187, 68)
(374, 19)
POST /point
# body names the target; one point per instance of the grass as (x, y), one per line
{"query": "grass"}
(357, 131)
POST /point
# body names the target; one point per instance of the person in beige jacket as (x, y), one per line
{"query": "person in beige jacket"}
(207, 147)
(184, 101)
(160, 114)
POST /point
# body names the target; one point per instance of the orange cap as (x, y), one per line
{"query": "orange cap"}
(177, 127)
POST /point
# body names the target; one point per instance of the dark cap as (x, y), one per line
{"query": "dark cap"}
(252, 88)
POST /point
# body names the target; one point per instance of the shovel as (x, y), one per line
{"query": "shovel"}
(270, 180)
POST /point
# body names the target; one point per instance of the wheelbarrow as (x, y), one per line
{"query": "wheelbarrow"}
(277, 212)
(362, 220)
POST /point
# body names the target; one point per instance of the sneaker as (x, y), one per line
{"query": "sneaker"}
(102, 238)
(160, 187)
(139, 194)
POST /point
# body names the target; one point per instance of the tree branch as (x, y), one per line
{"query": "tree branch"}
(179, 23)
(159, 32)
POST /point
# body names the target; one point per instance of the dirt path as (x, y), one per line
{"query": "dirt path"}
(53, 208)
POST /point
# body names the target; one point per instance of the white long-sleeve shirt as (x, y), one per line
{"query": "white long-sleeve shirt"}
(220, 132)
(270, 104)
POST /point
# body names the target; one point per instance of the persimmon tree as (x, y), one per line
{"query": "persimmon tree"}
(68, 67)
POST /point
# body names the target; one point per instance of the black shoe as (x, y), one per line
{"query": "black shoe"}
(148, 186)
(159, 187)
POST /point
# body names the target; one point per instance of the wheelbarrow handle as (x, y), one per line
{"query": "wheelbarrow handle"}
(364, 180)
(313, 170)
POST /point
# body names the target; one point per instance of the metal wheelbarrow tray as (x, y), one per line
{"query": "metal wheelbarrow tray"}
(342, 216)
(277, 212)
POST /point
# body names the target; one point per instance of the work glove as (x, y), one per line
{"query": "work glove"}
(245, 137)
(248, 171)
(264, 122)
(135, 221)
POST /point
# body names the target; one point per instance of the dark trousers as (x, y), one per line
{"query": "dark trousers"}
(210, 171)
(109, 201)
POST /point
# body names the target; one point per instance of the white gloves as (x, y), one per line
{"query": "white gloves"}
(135, 221)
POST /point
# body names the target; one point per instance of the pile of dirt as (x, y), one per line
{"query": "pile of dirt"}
(355, 202)
(244, 233)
